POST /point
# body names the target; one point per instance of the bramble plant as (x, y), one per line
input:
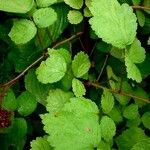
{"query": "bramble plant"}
(74, 74)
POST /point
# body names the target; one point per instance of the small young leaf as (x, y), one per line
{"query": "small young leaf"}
(26, 103)
(23, 31)
(114, 23)
(52, 69)
(107, 101)
(131, 111)
(80, 64)
(75, 17)
(45, 3)
(108, 128)
(76, 4)
(44, 17)
(146, 120)
(140, 17)
(78, 88)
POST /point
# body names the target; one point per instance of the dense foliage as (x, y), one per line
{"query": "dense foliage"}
(74, 74)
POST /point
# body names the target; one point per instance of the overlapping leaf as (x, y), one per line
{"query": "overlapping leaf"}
(77, 4)
(45, 3)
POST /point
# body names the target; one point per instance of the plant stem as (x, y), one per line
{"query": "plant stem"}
(141, 7)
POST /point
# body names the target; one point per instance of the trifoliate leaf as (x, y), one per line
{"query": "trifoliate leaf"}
(80, 64)
(26, 103)
(39, 90)
(16, 6)
(131, 111)
(40, 143)
(79, 120)
(108, 128)
(52, 69)
(45, 3)
(75, 17)
(76, 4)
(114, 23)
(107, 101)
(146, 120)
(44, 17)
(57, 99)
(23, 31)
(9, 102)
(140, 17)
(78, 88)
(130, 137)
(142, 145)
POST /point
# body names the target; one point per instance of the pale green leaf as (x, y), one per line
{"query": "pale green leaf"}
(108, 128)
(107, 101)
(52, 69)
(131, 111)
(9, 102)
(78, 121)
(26, 103)
(75, 17)
(16, 6)
(146, 120)
(80, 64)
(45, 3)
(129, 138)
(40, 143)
(57, 99)
(23, 31)
(76, 4)
(44, 17)
(114, 23)
(78, 88)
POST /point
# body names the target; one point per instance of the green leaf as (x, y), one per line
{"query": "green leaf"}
(16, 6)
(131, 111)
(9, 102)
(108, 128)
(136, 2)
(114, 23)
(140, 17)
(75, 17)
(44, 17)
(148, 41)
(146, 120)
(26, 103)
(130, 137)
(40, 143)
(45, 3)
(147, 4)
(78, 88)
(36, 88)
(52, 69)
(78, 120)
(23, 31)
(76, 4)
(107, 101)
(103, 146)
(80, 64)
(57, 99)
(134, 123)
(88, 3)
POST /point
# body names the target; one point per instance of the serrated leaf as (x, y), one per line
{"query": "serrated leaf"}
(80, 64)
(44, 17)
(36, 88)
(76, 4)
(16, 6)
(129, 138)
(45, 3)
(78, 120)
(40, 143)
(52, 69)
(26, 103)
(114, 23)
(107, 101)
(23, 31)
(134, 122)
(57, 99)
(146, 120)
(131, 111)
(75, 17)
(108, 128)
(78, 88)
(9, 102)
